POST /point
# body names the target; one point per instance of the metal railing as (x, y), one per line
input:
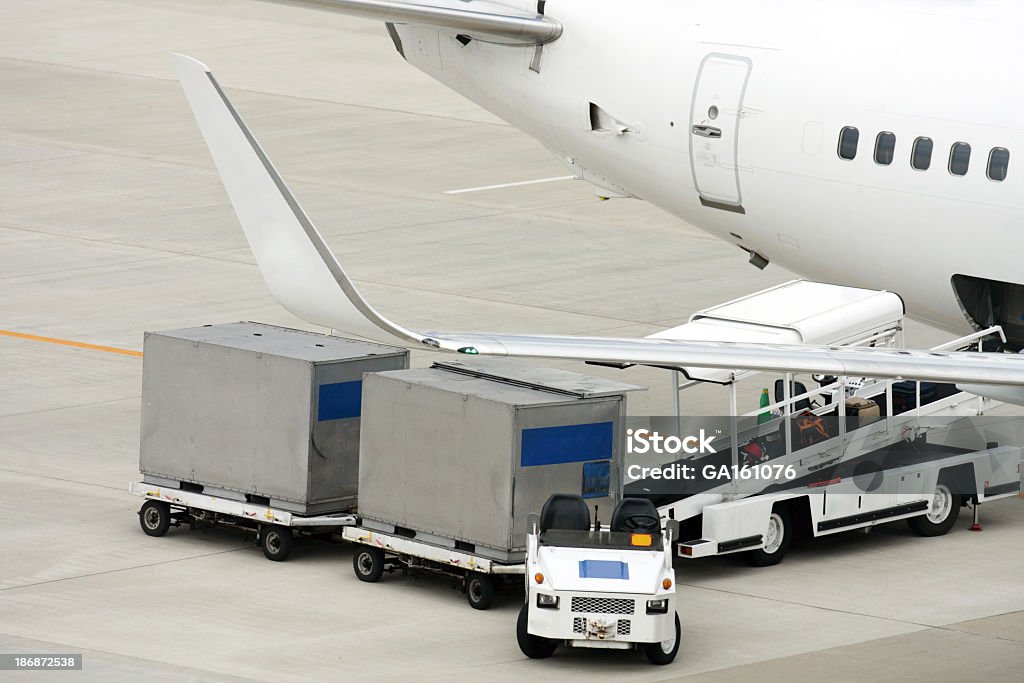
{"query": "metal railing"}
(836, 391)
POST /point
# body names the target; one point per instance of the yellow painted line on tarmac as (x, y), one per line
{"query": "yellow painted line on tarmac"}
(68, 342)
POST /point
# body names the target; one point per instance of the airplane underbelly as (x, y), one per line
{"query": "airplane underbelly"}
(877, 238)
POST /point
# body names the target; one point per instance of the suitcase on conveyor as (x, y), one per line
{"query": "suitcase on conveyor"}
(864, 410)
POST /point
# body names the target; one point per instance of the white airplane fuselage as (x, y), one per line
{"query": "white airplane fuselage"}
(728, 114)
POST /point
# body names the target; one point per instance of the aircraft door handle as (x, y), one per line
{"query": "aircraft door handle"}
(707, 131)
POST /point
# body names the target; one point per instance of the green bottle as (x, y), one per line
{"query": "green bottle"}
(766, 416)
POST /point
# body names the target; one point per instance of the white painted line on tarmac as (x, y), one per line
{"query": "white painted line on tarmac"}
(504, 185)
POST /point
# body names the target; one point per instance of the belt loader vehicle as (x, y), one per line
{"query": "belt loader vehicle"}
(855, 451)
(919, 459)
(594, 586)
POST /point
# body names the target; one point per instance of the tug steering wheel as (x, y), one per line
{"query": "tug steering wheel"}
(641, 523)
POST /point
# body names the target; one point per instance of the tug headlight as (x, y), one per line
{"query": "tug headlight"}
(657, 606)
(547, 601)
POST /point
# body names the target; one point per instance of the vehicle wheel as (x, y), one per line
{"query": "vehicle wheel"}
(479, 590)
(776, 540)
(534, 647)
(155, 517)
(276, 541)
(665, 651)
(941, 515)
(368, 563)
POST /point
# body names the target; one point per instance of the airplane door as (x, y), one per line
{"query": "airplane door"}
(714, 130)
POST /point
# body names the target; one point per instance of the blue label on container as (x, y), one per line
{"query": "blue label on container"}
(340, 400)
(603, 569)
(570, 443)
(596, 479)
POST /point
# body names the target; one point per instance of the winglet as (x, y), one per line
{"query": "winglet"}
(296, 263)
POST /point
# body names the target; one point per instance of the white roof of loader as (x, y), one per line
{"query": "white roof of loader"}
(796, 312)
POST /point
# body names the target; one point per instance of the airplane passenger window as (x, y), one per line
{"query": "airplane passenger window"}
(959, 158)
(998, 163)
(885, 146)
(848, 138)
(921, 155)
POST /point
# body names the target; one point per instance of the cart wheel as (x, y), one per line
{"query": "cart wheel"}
(276, 541)
(368, 563)
(155, 517)
(776, 540)
(941, 515)
(665, 651)
(479, 590)
(534, 647)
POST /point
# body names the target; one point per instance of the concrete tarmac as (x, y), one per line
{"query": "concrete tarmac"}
(113, 222)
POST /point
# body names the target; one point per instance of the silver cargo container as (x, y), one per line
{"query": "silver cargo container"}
(256, 412)
(460, 453)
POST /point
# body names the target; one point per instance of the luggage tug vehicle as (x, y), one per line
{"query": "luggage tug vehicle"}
(599, 587)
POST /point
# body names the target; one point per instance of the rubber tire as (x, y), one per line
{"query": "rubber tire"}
(922, 526)
(760, 558)
(655, 653)
(159, 514)
(534, 647)
(276, 542)
(368, 563)
(479, 590)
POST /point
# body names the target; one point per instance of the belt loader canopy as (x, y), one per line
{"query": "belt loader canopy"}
(796, 312)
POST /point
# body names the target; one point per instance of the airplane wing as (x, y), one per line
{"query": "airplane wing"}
(479, 19)
(307, 279)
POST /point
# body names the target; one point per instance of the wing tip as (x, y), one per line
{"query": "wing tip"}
(183, 61)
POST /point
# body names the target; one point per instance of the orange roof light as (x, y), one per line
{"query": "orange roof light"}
(538, 577)
(642, 540)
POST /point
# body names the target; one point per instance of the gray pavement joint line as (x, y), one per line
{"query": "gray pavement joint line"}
(69, 481)
(448, 221)
(137, 397)
(408, 226)
(369, 107)
(624, 321)
(45, 273)
(227, 46)
(125, 569)
(855, 614)
(950, 627)
(72, 154)
(168, 253)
